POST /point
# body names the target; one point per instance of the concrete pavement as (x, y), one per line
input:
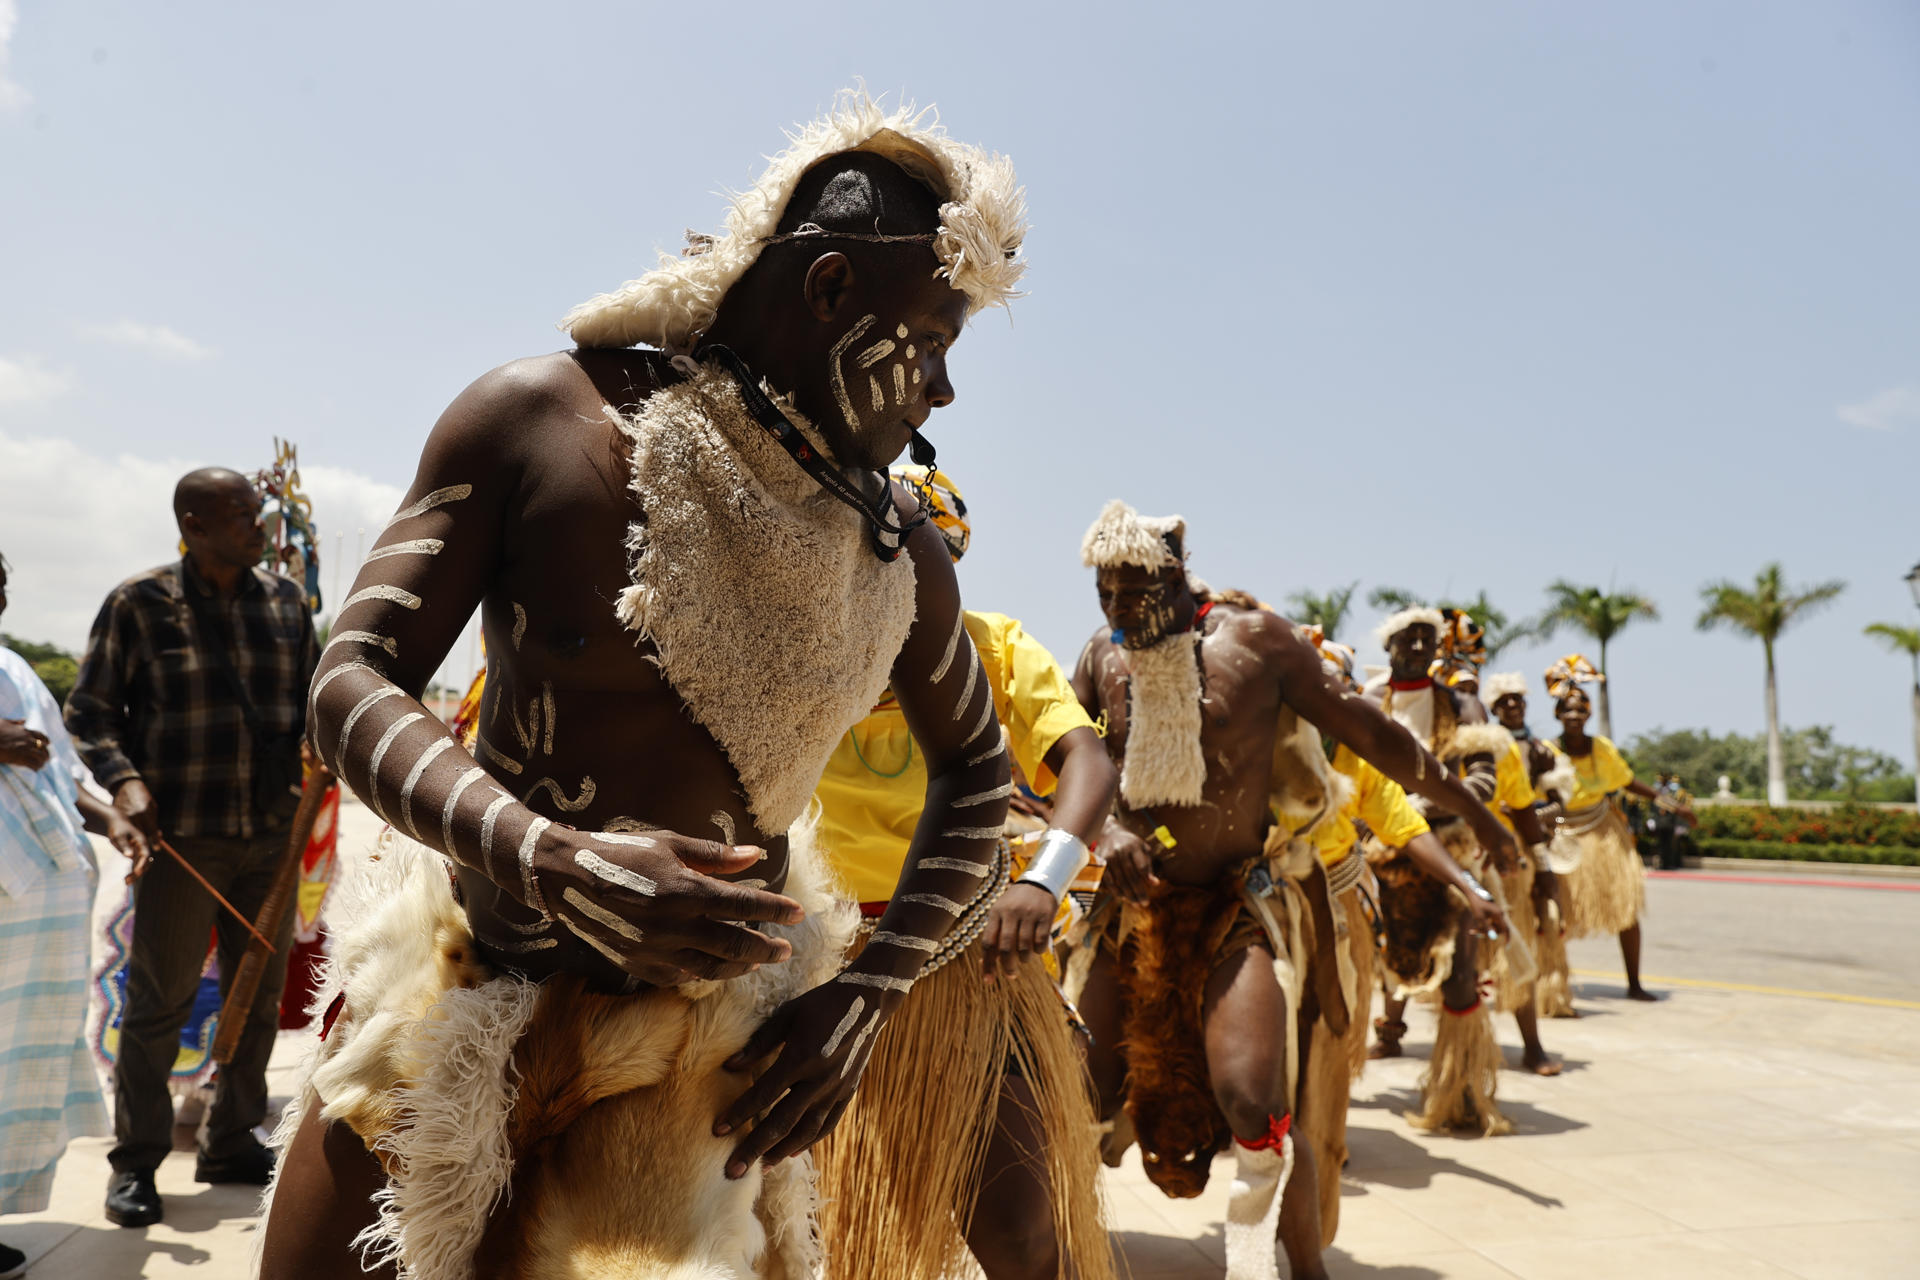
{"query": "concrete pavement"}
(1720, 1133)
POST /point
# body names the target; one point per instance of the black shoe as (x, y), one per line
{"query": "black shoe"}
(11, 1260)
(131, 1199)
(252, 1167)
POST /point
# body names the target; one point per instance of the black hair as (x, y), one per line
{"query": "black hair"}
(861, 193)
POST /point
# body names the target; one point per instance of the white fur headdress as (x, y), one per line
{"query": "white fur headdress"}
(1412, 617)
(983, 220)
(1501, 684)
(1122, 536)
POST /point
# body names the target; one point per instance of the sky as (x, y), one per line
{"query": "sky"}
(1449, 298)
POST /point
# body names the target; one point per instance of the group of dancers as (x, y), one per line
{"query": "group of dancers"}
(777, 916)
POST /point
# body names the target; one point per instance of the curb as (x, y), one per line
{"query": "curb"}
(1860, 870)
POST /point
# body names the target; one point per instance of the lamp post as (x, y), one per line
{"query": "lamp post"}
(1913, 585)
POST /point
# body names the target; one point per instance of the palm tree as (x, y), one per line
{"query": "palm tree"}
(1500, 631)
(1326, 611)
(1764, 613)
(1600, 614)
(1905, 640)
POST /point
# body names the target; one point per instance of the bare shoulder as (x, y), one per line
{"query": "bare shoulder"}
(1262, 630)
(508, 398)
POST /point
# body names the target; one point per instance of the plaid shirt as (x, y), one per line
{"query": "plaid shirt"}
(152, 701)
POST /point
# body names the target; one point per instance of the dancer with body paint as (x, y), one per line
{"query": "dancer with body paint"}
(981, 1063)
(610, 1045)
(1214, 708)
(1462, 1077)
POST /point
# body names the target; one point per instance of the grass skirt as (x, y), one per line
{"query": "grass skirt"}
(1462, 1076)
(1513, 980)
(899, 1176)
(1553, 989)
(1607, 892)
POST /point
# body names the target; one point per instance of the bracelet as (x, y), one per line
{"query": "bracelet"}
(1062, 856)
(1539, 852)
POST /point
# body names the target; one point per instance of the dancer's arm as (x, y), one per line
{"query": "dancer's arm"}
(825, 1035)
(427, 572)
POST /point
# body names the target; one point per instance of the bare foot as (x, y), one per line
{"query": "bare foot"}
(1384, 1049)
(1541, 1064)
(1641, 993)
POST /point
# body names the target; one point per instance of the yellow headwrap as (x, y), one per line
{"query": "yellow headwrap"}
(1567, 675)
(1336, 657)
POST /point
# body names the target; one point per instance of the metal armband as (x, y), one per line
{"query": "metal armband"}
(1061, 857)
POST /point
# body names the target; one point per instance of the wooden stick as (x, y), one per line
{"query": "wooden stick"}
(231, 909)
(239, 1001)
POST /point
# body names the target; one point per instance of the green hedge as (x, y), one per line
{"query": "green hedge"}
(1894, 856)
(1846, 825)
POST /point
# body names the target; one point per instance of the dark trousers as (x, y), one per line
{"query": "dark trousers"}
(172, 917)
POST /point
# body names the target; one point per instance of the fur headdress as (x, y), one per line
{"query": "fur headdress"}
(1122, 536)
(1409, 617)
(1502, 684)
(983, 220)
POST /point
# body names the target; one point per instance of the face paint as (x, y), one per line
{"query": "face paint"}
(874, 354)
(438, 498)
(486, 749)
(552, 788)
(962, 865)
(916, 377)
(1000, 792)
(900, 332)
(878, 396)
(416, 547)
(947, 905)
(378, 641)
(846, 1023)
(467, 779)
(599, 914)
(909, 350)
(592, 862)
(953, 645)
(837, 378)
(381, 591)
(427, 757)
(519, 626)
(971, 833)
(899, 384)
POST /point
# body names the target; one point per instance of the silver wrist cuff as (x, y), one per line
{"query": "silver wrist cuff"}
(1062, 855)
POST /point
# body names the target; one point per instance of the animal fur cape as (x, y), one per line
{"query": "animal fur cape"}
(757, 589)
(983, 222)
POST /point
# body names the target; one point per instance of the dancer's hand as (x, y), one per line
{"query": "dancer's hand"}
(1017, 927)
(133, 799)
(651, 904)
(1129, 870)
(1498, 842)
(1486, 918)
(824, 1038)
(22, 746)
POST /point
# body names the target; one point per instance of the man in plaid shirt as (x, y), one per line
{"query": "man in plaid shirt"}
(158, 718)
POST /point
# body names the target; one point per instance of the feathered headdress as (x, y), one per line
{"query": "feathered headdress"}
(1122, 536)
(983, 220)
(1409, 617)
(1567, 675)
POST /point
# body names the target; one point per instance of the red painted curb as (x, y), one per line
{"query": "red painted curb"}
(1816, 882)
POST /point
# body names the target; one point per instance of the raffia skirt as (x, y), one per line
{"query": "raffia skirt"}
(1607, 891)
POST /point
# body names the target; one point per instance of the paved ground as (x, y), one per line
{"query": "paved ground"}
(1725, 1132)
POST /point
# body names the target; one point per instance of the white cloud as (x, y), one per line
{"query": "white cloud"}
(1886, 411)
(151, 337)
(12, 95)
(29, 379)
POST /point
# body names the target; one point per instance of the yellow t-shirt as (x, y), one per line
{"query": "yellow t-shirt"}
(1599, 774)
(1512, 788)
(1378, 800)
(876, 782)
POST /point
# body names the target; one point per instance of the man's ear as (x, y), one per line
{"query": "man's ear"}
(828, 284)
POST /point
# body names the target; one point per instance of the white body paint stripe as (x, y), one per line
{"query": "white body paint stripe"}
(548, 718)
(996, 749)
(487, 819)
(313, 694)
(899, 384)
(986, 722)
(838, 377)
(593, 911)
(1000, 792)
(874, 393)
(427, 757)
(845, 1025)
(947, 905)
(613, 957)
(629, 880)
(552, 788)
(970, 833)
(519, 626)
(412, 547)
(538, 926)
(953, 647)
(723, 823)
(973, 678)
(530, 944)
(373, 638)
(467, 779)
(381, 591)
(859, 1042)
(614, 836)
(360, 708)
(505, 762)
(528, 885)
(965, 866)
(888, 939)
(438, 498)
(880, 980)
(381, 747)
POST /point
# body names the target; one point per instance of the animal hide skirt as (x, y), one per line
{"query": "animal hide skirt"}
(1336, 1057)
(901, 1172)
(1607, 891)
(536, 1131)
